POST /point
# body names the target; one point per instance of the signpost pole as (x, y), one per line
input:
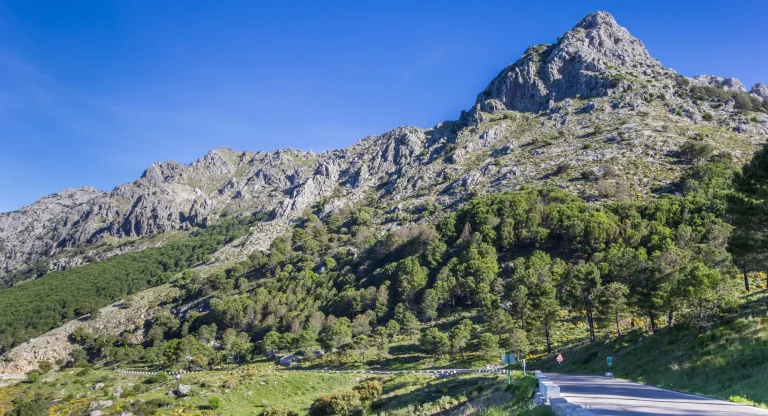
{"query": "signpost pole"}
(508, 360)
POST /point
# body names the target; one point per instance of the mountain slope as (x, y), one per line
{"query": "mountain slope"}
(594, 100)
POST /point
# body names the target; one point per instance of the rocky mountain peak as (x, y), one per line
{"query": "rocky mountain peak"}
(584, 62)
(599, 36)
(597, 19)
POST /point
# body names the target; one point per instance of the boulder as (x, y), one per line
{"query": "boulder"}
(184, 390)
(99, 404)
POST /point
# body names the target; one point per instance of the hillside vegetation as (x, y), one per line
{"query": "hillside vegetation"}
(33, 308)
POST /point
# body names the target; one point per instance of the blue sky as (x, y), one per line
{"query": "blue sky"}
(91, 92)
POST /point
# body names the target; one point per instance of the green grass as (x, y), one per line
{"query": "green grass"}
(68, 393)
(507, 410)
(71, 392)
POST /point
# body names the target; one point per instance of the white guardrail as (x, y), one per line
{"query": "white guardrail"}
(444, 372)
(549, 394)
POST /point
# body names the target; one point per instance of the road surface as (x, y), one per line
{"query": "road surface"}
(611, 396)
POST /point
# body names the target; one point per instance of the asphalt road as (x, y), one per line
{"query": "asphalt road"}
(611, 396)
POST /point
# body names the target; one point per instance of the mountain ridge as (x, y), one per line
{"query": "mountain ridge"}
(595, 82)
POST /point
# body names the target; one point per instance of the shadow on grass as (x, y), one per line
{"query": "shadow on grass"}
(404, 349)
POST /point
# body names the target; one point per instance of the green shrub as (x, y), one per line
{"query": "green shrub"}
(33, 376)
(610, 171)
(215, 403)
(682, 82)
(741, 400)
(695, 151)
(343, 404)
(562, 167)
(524, 389)
(278, 411)
(742, 101)
(28, 408)
(157, 378)
(368, 390)
(150, 407)
(587, 174)
(707, 116)
(45, 366)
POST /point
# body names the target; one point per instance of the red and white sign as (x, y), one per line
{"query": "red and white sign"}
(559, 358)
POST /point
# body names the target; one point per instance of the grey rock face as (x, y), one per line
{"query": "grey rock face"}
(101, 404)
(34, 231)
(730, 84)
(169, 196)
(579, 64)
(760, 90)
(184, 390)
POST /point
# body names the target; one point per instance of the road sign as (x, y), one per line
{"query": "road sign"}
(559, 358)
(508, 360)
(610, 361)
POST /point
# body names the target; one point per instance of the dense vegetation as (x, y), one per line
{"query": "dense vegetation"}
(521, 263)
(37, 306)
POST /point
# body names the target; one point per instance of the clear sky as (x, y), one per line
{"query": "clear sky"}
(91, 92)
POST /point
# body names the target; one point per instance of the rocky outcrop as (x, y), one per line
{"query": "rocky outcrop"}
(728, 84)
(760, 90)
(37, 231)
(586, 62)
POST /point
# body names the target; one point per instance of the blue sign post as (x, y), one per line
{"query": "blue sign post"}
(609, 360)
(508, 360)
